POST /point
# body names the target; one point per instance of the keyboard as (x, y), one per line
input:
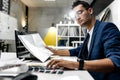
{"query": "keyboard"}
(44, 69)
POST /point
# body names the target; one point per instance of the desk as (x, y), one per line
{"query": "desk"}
(82, 75)
(67, 75)
(77, 75)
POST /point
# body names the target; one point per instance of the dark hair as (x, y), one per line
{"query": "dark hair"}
(78, 2)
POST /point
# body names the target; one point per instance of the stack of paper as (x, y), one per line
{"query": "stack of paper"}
(10, 65)
(36, 46)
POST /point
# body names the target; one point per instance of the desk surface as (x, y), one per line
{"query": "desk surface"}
(67, 75)
(76, 75)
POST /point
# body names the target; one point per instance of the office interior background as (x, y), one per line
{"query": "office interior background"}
(39, 15)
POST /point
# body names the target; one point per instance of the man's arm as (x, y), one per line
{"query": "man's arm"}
(59, 52)
(62, 52)
(101, 65)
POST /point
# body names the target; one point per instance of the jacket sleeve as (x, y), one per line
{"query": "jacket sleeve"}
(111, 43)
(75, 52)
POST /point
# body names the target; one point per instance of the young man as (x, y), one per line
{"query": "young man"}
(103, 55)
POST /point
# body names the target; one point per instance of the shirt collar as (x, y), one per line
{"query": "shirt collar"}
(91, 31)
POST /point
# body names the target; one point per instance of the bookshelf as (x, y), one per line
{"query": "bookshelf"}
(67, 34)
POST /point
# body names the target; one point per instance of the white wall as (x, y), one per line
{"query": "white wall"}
(115, 13)
(40, 19)
(17, 10)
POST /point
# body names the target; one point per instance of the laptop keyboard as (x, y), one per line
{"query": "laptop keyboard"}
(44, 69)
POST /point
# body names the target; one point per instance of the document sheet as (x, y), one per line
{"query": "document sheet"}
(10, 65)
(36, 46)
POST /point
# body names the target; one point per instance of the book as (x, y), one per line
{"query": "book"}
(36, 46)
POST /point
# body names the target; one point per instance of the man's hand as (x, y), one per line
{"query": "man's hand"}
(51, 49)
(59, 52)
(55, 63)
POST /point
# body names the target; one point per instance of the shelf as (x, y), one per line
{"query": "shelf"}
(70, 36)
(64, 36)
(76, 36)
(66, 33)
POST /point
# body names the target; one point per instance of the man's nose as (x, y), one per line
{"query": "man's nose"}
(78, 17)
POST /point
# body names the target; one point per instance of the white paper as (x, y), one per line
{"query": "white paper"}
(8, 56)
(11, 66)
(35, 44)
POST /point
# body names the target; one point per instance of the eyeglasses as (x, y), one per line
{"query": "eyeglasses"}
(78, 13)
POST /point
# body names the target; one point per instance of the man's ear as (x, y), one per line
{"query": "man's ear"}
(90, 10)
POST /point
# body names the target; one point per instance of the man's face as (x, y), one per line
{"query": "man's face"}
(82, 15)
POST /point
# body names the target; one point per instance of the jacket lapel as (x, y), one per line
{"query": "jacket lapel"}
(93, 37)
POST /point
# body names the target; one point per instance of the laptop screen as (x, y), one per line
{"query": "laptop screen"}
(21, 51)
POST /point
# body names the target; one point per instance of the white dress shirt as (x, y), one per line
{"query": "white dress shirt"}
(90, 33)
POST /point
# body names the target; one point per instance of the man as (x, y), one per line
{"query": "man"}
(103, 56)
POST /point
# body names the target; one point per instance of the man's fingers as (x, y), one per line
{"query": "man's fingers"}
(48, 65)
(47, 47)
(53, 64)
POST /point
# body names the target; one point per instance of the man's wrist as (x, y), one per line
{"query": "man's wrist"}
(81, 64)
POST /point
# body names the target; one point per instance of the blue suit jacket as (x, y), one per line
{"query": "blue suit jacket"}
(105, 43)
